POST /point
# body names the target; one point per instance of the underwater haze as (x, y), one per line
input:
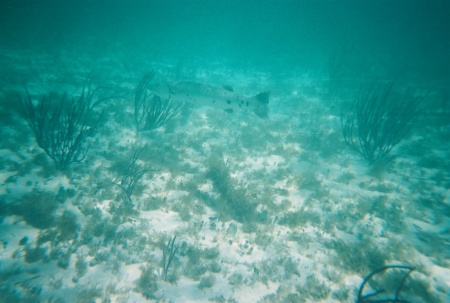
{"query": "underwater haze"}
(225, 151)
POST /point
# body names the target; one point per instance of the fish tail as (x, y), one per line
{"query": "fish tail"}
(261, 101)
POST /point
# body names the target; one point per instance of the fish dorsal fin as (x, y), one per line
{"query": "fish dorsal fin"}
(228, 88)
(263, 98)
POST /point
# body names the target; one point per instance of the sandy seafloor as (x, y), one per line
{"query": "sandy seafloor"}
(325, 219)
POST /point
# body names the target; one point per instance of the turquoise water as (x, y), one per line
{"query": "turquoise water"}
(224, 206)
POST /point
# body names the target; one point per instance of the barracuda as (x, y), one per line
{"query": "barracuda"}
(207, 95)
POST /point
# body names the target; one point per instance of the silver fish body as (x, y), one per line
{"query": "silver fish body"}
(224, 98)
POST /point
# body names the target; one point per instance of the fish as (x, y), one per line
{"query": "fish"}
(199, 94)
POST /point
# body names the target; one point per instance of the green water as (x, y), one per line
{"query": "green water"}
(214, 206)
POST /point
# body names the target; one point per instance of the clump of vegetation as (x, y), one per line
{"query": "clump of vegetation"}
(64, 259)
(88, 294)
(200, 261)
(416, 288)
(81, 266)
(345, 178)
(67, 226)
(147, 283)
(130, 174)
(312, 291)
(270, 270)
(64, 194)
(150, 110)
(47, 235)
(35, 254)
(9, 293)
(235, 278)
(169, 251)
(207, 282)
(3, 209)
(153, 203)
(315, 289)
(195, 268)
(37, 208)
(361, 257)
(379, 119)
(62, 126)
(341, 294)
(290, 267)
(299, 218)
(310, 181)
(233, 203)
